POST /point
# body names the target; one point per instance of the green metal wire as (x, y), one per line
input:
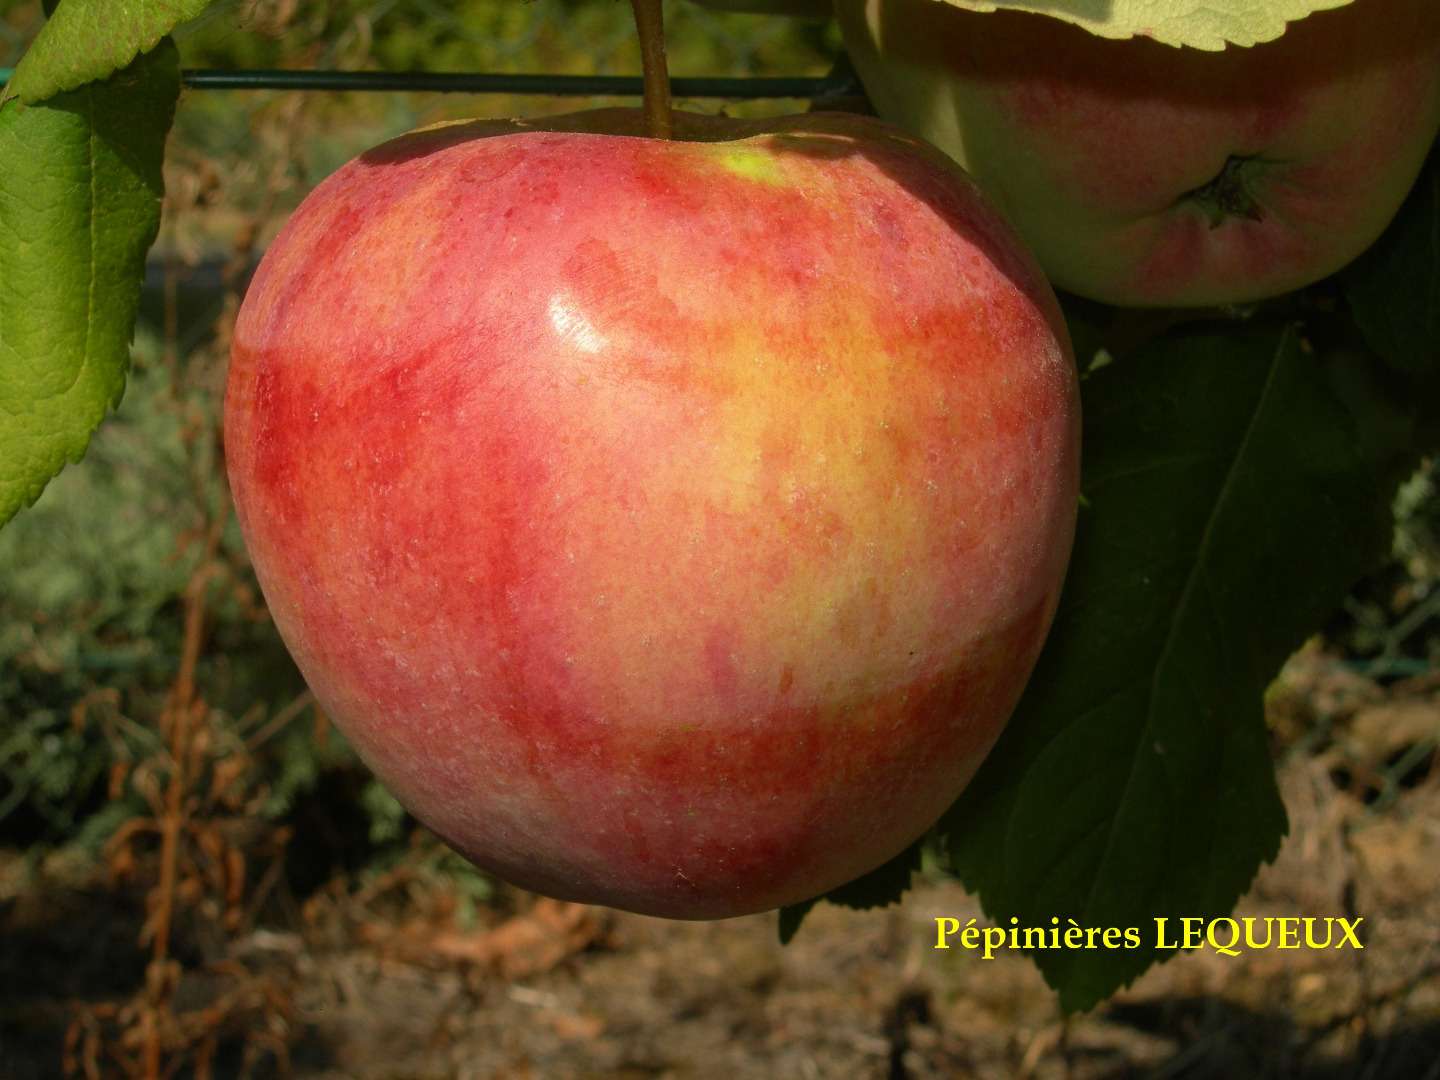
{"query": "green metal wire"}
(839, 83)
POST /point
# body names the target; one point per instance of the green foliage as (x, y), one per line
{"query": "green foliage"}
(1198, 24)
(79, 207)
(91, 581)
(1417, 539)
(89, 584)
(1201, 24)
(1394, 288)
(89, 40)
(295, 763)
(569, 37)
(97, 551)
(44, 762)
(387, 816)
(1391, 626)
(469, 885)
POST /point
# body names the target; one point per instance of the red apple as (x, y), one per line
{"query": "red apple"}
(669, 524)
(1145, 175)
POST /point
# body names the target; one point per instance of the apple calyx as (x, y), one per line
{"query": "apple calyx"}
(1228, 195)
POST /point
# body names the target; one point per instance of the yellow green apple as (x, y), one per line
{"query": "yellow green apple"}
(669, 524)
(1146, 175)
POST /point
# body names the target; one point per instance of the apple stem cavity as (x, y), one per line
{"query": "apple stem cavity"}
(649, 21)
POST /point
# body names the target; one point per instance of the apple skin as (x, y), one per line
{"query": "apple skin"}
(1095, 149)
(669, 525)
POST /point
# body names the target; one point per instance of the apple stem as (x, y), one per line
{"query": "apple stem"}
(651, 24)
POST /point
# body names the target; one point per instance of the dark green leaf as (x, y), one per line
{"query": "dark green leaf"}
(1237, 485)
(791, 917)
(86, 40)
(1394, 288)
(884, 885)
(80, 193)
(881, 887)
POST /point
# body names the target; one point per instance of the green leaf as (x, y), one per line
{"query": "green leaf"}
(80, 193)
(791, 917)
(1394, 288)
(86, 40)
(881, 887)
(1198, 24)
(1237, 484)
